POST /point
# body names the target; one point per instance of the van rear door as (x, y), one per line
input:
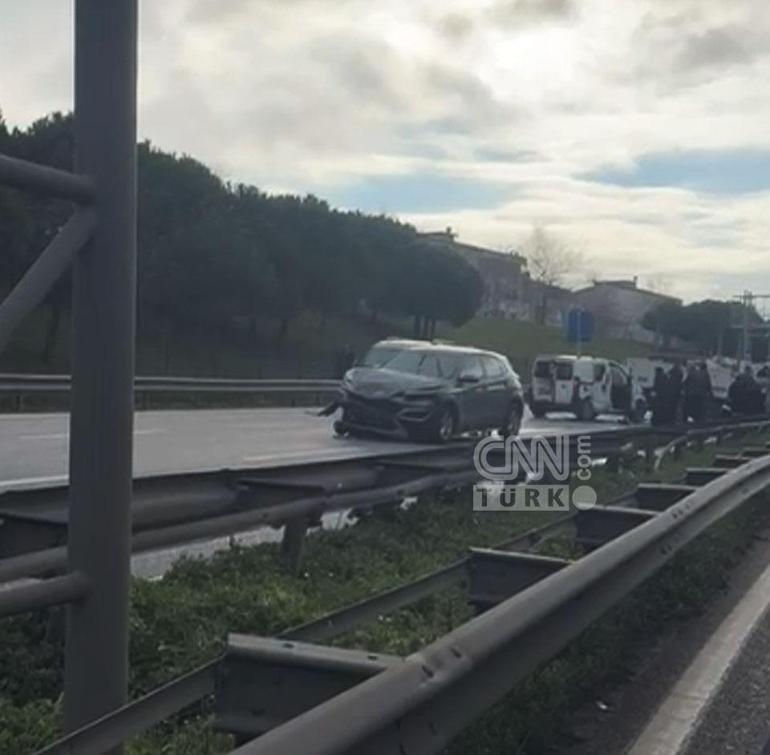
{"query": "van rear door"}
(563, 383)
(542, 381)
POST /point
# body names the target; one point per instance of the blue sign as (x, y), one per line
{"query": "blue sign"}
(580, 326)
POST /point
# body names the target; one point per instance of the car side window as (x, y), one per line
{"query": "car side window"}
(599, 372)
(472, 368)
(493, 367)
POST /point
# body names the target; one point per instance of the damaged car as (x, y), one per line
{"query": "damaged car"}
(429, 391)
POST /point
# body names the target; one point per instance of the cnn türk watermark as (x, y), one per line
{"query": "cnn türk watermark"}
(533, 474)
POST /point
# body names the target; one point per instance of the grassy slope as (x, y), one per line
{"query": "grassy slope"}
(309, 350)
(522, 341)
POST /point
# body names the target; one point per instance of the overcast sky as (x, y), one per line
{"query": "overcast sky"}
(637, 130)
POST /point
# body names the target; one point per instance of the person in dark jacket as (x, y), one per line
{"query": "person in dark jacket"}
(745, 394)
(675, 381)
(698, 393)
(689, 390)
(660, 397)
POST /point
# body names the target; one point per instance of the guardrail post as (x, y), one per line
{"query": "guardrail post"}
(649, 452)
(96, 657)
(293, 543)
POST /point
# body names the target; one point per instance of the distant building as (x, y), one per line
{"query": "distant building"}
(619, 306)
(509, 291)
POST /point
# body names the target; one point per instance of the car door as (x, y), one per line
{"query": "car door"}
(601, 386)
(620, 391)
(498, 391)
(472, 393)
(564, 385)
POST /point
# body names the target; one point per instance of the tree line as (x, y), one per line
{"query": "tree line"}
(715, 327)
(215, 258)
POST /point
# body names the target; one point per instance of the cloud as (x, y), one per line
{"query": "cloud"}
(614, 123)
(715, 47)
(514, 12)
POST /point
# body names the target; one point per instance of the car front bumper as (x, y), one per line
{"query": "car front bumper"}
(390, 417)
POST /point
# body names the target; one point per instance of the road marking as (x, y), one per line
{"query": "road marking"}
(62, 436)
(33, 480)
(680, 714)
(314, 454)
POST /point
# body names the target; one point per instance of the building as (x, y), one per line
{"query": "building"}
(619, 306)
(502, 273)
(509, 291)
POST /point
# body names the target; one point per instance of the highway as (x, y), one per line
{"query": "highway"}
(33, 447)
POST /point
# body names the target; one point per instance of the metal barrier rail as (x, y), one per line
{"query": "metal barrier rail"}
(168, 510)
(420, 703)
(27, 384)
(614, 520)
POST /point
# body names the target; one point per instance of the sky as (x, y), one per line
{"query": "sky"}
(636, 131)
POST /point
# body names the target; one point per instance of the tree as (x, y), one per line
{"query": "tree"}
(215, 262)
(706, 324)
(549, 260)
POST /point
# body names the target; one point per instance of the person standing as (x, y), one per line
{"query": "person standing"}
(675, 381)
(706, 392)
(660, 397)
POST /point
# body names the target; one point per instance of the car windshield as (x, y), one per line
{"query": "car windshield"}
(428, 363)
(379, 356)
(408, 361)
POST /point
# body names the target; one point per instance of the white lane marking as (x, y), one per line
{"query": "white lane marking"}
(33, 480)
(314, 453)
(677, 719)
(61, 436)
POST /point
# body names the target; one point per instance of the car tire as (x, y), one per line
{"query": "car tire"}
(538, 410)
(586, 411)
(444, 426)
(511, 425)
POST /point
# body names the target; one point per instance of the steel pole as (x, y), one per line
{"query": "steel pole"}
(101, 432)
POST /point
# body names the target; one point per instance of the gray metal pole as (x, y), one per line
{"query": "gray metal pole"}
(101, 432)
(44, 272)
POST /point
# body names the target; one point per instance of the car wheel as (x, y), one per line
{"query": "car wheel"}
(538, 410)
(586, 411)
(512, 422)
(445, 425)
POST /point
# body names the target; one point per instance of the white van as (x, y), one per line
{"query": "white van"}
(586, 386)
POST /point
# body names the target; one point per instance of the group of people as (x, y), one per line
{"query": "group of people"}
(680, 397)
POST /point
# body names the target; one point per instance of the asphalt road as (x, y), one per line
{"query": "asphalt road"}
(33, 447)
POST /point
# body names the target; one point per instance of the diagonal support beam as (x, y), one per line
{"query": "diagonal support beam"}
(44, 272)
(21, 174)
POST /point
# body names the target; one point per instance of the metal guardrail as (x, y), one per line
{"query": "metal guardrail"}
(15, 384)
(169, 510)
(422, 702)
(295, 663)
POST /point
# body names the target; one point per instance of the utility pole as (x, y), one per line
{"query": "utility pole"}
(746, 350)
